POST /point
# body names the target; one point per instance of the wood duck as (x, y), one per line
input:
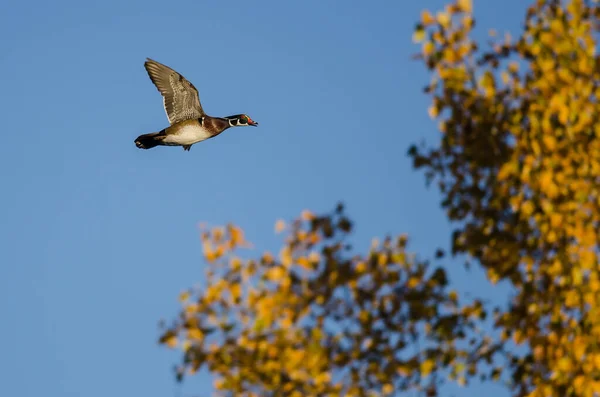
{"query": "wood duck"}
(188, 122)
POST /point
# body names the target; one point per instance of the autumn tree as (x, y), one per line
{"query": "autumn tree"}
(518, 165)
(317, 320)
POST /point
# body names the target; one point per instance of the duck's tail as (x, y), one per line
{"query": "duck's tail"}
(148, 141)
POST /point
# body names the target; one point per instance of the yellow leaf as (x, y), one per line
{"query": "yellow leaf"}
(493, 276)
(185, 346)
(518, 337)
(433, 111)
(594, 285)
(307, 215)
(218, 234)
(279, 226)
(194, 333)
(413, 282)
(418, 35)
(538, 353)
(314, 257)
(209, 253)
(303, 262)
(286, 282)
(361, 267)
(314, 238)
(184, 296)
(556, 26)
(578, 383)
(388, 388)
(275, 273)
(218, 384)
(212, 293)
(597, 361)
(171, 341)
(465, 5)
(527, 208)
(532, 308)
(453, 295)
(236, 264)
(323, 377)
(577, 276)
(268, 258)
(428, 48)
(427, 366)
(564, 364)
(427, 18)
(363, 316)
(579, 348)
(555, 219)
(236, 236)
(286, 322)
(468, 21)
(563, 114)
(571, 299)
(236, 291)
(286, 256)
(301, 235)
(443, 19)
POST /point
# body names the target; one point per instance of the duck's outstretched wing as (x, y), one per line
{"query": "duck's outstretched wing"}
(180, 97)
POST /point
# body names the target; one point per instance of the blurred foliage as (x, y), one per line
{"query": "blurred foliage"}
(518, 166)
(316, 320)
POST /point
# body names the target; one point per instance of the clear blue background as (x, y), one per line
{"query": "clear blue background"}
(98, 238)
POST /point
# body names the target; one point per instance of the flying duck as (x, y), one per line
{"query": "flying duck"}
(188, 122)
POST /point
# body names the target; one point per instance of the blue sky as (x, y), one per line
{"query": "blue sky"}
(98, 238)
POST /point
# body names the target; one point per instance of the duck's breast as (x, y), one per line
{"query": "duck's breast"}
(186, 133)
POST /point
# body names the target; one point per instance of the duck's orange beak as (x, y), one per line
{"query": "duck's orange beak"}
(252, 123)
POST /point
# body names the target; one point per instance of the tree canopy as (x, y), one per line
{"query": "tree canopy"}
(518, 167)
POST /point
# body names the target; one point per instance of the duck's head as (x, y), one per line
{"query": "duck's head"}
(241, 120)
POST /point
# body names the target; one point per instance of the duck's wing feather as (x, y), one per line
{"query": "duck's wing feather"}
(180, 97)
